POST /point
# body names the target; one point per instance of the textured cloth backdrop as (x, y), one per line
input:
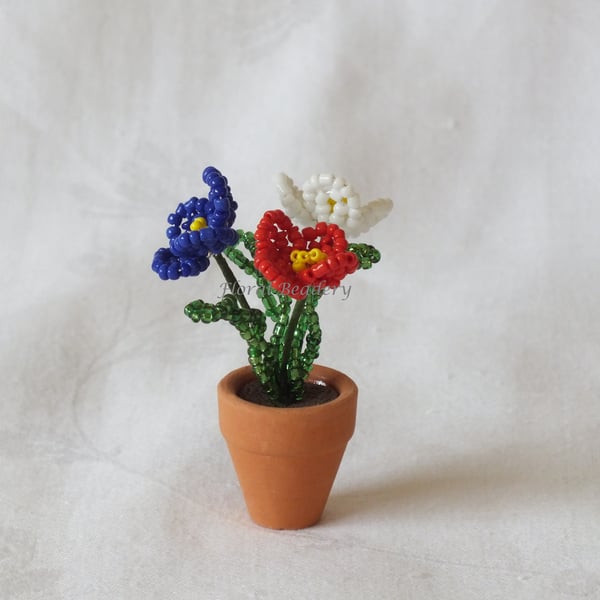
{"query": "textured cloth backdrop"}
(474, 470)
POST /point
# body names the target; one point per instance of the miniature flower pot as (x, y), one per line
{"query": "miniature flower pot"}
(286, 459)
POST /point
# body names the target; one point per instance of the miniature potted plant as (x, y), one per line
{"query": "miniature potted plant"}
(286, 421)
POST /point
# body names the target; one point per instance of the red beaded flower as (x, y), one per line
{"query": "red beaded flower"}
(293, 261)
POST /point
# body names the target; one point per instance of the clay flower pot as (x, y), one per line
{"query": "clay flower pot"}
(286, 459)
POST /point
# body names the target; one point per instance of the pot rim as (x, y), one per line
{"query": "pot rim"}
(304, 430)
(319, 374)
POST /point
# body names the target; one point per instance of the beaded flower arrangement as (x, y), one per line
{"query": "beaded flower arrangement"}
(293, 268)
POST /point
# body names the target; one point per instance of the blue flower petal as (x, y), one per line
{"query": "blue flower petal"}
(187, 255)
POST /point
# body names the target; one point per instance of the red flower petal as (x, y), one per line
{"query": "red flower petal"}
(276, 236)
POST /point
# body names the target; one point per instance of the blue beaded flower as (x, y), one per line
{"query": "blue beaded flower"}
(198, 228)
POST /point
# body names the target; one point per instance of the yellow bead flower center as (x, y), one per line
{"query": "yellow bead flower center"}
(301, 259)
(332, 203)
(198, 223)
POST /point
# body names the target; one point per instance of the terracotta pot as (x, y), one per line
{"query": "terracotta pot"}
(286, 459)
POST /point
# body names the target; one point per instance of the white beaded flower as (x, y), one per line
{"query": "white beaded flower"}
(328, 198)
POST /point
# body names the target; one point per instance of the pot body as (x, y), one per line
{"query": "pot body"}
(286, 459)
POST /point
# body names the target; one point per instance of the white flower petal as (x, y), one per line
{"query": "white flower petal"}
(338, 219)
(325, 179)
(325, 197)
(381, 207)
(353, 226)
(346, 191)
(338, 183)
(292, 200)
(375, 211)
(322, 212)
(322, 199)
(340, 208)
(353, 201)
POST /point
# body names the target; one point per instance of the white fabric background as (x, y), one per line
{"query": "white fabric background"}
(474, 471)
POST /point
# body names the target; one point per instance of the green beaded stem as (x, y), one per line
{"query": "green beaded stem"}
(281, 364)
(307, 335)
(279, 329)
(271, 299)
(288, 366)
(232, 282)
(313, 336)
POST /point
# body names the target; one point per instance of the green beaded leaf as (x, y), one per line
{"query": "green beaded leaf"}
(251, 323)
(367, 255)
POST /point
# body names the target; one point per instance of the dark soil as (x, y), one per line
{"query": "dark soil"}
(314, 393)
